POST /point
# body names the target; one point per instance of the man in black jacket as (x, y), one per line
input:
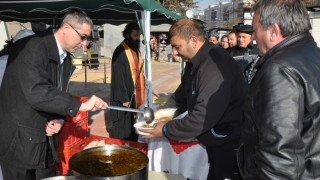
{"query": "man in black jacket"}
(245, 51)
(281, 131)
(34, 100)
(212, 91)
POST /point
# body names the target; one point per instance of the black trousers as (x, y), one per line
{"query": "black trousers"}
(11, 172)
(223, 162)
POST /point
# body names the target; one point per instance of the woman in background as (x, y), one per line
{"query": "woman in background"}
(224, 42)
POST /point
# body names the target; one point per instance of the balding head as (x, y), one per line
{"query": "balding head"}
(186, 38)
(186, 28)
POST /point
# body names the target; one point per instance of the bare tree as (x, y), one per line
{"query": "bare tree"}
(178, 6)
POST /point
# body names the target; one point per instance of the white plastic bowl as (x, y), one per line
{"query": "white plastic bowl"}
(139, 125)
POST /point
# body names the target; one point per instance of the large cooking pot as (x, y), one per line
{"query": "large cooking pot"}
(62, 178)
(110, 162)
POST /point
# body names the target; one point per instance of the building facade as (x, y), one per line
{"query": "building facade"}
(226, 14)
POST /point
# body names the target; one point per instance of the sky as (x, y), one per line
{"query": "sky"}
(203, 4)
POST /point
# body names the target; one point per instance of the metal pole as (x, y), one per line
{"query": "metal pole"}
(105, 72)
(85, 74)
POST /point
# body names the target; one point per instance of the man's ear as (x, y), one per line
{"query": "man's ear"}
(275, 32)
(193, 41)
(64, 27)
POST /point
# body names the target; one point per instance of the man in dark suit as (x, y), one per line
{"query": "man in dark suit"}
(34, 100)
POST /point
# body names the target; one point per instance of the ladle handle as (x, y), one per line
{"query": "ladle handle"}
(125, 109)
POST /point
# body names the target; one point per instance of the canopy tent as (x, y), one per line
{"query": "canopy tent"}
(115, 12)
(101, 11)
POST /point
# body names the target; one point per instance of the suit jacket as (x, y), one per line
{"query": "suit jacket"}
(29, 97)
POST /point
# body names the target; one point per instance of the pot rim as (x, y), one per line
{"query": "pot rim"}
(108, 148)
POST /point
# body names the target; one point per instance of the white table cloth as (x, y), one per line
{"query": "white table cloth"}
(189, 159)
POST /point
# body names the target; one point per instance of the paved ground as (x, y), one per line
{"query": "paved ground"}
(165, 79)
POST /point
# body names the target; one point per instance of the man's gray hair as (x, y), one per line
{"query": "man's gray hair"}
(76, 18)
(291, 15)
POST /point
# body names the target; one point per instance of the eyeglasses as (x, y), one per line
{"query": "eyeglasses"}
(83, 37)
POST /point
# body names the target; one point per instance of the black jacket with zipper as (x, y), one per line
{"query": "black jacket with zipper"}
(212, 91)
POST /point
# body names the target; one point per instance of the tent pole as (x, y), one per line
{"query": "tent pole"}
(145, 21)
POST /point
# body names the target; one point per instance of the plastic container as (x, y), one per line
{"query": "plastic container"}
(72, 133)
(74, 128)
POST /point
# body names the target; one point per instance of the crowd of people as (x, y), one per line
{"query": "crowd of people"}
(239, 45)
(255, 107)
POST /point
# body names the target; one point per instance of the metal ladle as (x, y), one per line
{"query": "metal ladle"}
(148, 114)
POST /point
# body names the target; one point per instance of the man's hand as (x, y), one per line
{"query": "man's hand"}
(156, 132)
(53, 127)
(126, 104)
(93, 104)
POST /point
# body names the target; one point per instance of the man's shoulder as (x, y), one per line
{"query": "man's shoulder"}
(117, 52)
(254, 49)
(218, 51)
(236, 51)
(42, 39)
(118, 49)
(217, 55)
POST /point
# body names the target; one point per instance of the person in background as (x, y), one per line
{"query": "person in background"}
(34, 100)
(214, 38)
(224, 42)
(244, 33)
(93, 54)
(232, 39)
(245, 51)
(281, 132)
(212, 90)
(153, 46)
(6, 50)
(127, 83)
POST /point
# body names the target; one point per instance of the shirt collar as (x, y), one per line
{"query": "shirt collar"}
(62, 53)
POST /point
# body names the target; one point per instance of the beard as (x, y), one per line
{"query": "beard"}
(133, 43)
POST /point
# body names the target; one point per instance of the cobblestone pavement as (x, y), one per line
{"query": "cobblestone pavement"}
(165, 80)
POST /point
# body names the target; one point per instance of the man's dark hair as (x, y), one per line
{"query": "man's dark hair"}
(224, 36)
(233, 31)
(129, 27)
(186, 28)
